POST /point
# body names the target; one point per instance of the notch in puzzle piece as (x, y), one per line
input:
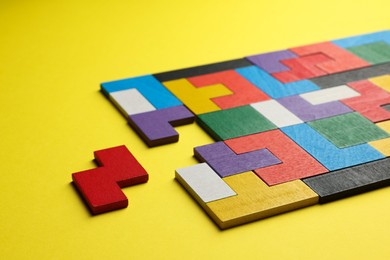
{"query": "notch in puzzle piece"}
(101, 187)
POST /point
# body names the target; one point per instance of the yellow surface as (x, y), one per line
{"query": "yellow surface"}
(382, 81)
(255, 200)
(54, 54)
(383, 145)
(198, 100)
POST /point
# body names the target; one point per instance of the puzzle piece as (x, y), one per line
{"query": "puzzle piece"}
(383, 145)
(351, 181)
(101, 187)
(234, 122)
(308, 112)
(328, 95)
(296, 162)
(382, 81)
(351, 76)
(198, 100)
(301, 68)
(329, 155)
(363, 39)
(276, 113)
(273, 87)
(130, 102)
(225, 162)
(370, 101)
(375, 53)
(270, 62)
(348, 130)
(148, 86)
(340, 59)
(244, 92)
(203, 69)
(156, 127)
(255, 200)
(203, 183)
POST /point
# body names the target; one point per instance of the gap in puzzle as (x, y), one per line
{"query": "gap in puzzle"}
(292, 128)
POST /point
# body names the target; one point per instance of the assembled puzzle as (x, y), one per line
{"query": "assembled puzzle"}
(292, 128)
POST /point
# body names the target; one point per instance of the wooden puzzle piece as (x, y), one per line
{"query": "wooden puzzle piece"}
(301, 68)
(225, 162)
(255, 200)
(370, 101)
(386, 107)
(375, 53)
(156, 127)
(341, 60)
(351, 76)
(383, 145)
(329, 155)
(296, 162)
(244, 93)
(351, 181)
(203, 69)
(270, 62)
(203, 183)
(198, 100)
(101, 187)
(363, 39)
(382, 81)
(328, 95)
(130, 102)
(308, 112)
(148, 86)
(348, 130)
(234, 122)
(276, 113)
(273, 87)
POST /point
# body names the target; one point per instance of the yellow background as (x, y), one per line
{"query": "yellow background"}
(54, 54)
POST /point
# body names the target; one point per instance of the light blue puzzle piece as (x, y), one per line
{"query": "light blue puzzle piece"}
(363, 39)
(148, 86)
(271, 86)
(328, 154)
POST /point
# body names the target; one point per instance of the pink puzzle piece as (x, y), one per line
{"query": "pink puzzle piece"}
(101, 187)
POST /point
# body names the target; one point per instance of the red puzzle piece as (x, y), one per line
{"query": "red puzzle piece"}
(296, 162)
(101, 187)
(370, 102)
(244, 92)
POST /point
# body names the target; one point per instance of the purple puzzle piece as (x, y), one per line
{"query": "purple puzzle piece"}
(156, 127)
(308, 112)
(226, 162)
(270, 62)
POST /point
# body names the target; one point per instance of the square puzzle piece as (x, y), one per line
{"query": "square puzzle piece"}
(293, 128)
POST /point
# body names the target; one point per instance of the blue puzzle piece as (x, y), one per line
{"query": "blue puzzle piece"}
(271, 86)
(363, 39)
(327, 153)
(148, 86)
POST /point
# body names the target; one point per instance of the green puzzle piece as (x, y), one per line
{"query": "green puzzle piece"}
(234, 122)
(375, 53)
(348, 129)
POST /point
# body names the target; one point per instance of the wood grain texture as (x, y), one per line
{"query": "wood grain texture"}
(271, 86)
(130, 102)
(296, 162)
(363, 39)
(382, 82)
(351, 181)
(203, 183)
(375, 53)
(244, 92)
(329, 95)
(198, 100)
(225, 162)
(370, 101)
(348, 130)
(255, 200)
(156, 127)
(343, 78)
(101, 187)
(234, 122)
(270, 62)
